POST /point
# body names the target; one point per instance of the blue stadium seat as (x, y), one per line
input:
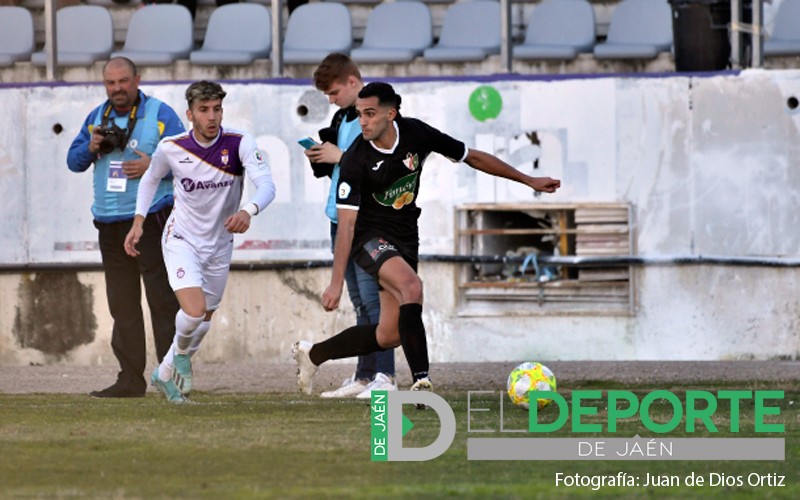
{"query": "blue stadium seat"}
(316, 29)
(785, 38)
(470, 32)
(158, 35)
(237, 33)
(75, 47)
(558, 29)
(16, 35)
(396, 32)
(639, 29)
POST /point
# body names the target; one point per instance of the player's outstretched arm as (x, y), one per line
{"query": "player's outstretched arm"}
(345, 228)
(493, 165)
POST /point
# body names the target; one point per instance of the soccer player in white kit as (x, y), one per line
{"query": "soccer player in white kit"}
(208, 164)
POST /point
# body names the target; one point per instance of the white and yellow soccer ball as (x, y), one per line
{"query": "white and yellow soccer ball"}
(530, 376)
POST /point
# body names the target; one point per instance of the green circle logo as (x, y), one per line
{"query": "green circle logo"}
(485, 103)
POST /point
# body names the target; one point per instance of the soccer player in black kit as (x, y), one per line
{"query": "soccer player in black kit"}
(378, 186)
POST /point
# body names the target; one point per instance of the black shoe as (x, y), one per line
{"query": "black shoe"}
(115, 391)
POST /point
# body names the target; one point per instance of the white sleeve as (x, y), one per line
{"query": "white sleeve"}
(148, 184)
(255, 164)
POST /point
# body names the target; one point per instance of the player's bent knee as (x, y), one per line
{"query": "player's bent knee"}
(194, 312)
(387, 340)
(390, 345)
(412, 291)
(185, 323)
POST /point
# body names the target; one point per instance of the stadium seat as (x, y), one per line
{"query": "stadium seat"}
(356, 2)
(316, 29)
(237, 34)
(558, 29)
(73, 23)
(16, 35)
(785, 38)
(639, 29)
(158, 35)
(396, 32)
(470, 32)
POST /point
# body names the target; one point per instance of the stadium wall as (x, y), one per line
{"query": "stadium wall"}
(708, 163)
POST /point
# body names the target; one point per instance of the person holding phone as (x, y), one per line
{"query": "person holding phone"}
(339, 78)
(307, 142)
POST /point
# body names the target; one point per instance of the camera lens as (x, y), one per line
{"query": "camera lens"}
(108, 143)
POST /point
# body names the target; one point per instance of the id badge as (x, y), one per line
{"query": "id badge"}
(117, 180)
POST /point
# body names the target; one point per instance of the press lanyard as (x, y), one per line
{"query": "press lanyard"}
(131, 119)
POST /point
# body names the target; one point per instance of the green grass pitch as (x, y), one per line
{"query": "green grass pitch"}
(291, 446)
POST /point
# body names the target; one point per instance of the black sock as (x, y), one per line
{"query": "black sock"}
(353, 341)
(412, 338)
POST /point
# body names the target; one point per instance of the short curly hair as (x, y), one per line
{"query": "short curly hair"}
(204, 91)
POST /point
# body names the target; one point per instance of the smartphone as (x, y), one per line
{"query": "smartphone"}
(307, 142)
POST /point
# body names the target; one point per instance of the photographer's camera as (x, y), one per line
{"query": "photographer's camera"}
(113, 138)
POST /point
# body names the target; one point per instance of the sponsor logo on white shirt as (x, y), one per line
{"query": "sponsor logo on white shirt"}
(190, 185)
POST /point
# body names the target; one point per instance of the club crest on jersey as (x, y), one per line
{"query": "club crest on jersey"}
(411, 161)
(259, 157)
(224, 157)
(400, 193)
(181, 273)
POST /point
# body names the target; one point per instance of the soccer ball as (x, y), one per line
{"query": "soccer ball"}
(530, 376)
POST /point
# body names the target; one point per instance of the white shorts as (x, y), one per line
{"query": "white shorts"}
(188, 268)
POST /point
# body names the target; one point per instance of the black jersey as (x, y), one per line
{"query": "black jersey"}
(383, 185)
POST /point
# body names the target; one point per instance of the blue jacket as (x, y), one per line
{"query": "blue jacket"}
(154, 121)
(342, 137)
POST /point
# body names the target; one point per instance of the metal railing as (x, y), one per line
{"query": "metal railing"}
(754, 28)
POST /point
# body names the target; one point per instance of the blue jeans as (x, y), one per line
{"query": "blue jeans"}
(363, 291)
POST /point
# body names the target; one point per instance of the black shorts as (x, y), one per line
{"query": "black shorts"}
(371, 255)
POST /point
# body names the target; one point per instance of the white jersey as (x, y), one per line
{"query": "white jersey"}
(208, 182)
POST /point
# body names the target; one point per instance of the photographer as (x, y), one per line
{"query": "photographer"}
(118, 137)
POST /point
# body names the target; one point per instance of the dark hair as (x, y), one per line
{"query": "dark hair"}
(336, 67)
(384, 92)
(204, 91)
(130, 64)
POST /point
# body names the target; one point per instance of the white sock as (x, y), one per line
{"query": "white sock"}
(185, 327)
(167, 365)
(197, 336)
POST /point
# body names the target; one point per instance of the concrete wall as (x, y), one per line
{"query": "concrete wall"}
(709, 164)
